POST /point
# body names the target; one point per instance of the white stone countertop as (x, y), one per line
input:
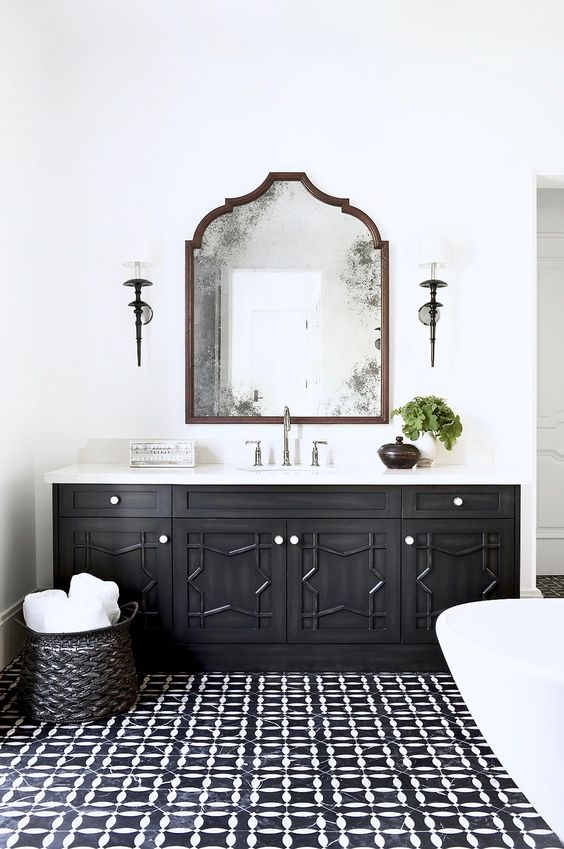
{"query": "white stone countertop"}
(219, 474)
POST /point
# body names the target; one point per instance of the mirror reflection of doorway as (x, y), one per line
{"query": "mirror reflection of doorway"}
(274, 355)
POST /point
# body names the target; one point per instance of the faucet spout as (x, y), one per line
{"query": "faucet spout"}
(287, 428)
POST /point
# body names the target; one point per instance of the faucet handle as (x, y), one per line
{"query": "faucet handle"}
(315, 451)
(258, 452)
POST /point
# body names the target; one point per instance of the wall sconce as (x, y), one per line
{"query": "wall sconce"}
(142, 312)
(432, 253)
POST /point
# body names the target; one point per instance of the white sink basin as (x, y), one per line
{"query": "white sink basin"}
(288, 470)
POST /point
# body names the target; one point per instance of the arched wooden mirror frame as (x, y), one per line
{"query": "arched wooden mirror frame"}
(196, 242)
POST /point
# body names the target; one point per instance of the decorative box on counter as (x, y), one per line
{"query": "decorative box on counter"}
(161, 453)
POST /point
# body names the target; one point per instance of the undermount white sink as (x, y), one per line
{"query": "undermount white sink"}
(288, 469)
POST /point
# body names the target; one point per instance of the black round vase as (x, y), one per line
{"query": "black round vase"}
(397, 455)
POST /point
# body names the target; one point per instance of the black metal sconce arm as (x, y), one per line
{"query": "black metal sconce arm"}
(138, 307)
(430, 313)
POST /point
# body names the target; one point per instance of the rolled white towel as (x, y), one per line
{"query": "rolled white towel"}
(68, 615)
(35, 606)
(85, 586)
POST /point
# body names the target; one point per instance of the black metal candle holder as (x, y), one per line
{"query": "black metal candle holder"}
(139, 306)
(430, 313)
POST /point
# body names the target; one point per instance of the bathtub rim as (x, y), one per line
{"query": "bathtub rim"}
(536, 670)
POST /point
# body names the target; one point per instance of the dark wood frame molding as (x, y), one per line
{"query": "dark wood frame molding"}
(196, 241)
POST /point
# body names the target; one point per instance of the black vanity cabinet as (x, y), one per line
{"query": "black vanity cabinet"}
(120, 533)
(458, 545)
(292, 577)
(312, 581)
(283, 565)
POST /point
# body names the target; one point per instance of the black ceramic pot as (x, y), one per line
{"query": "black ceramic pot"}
(396, 455)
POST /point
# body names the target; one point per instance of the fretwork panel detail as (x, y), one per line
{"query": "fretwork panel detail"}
(343, 581)
(124, 551)
(241, 574)
(449, 565)
(230, 581)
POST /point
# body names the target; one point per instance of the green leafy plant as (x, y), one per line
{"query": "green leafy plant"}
(432, 414)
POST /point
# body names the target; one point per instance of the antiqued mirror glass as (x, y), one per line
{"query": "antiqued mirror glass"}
(287, 305)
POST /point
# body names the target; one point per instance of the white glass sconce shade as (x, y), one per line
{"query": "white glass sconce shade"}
(138, 251)
(433, 251)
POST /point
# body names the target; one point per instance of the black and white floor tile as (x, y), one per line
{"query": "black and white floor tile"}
(250, 761)
(551, 586)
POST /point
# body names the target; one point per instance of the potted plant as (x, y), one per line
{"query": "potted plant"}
(426, 419)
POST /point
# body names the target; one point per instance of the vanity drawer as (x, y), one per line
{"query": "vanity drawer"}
(126, 500)
(287, 501)
(439, 502)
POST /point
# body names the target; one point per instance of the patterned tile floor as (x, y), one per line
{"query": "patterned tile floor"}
(551, 586)
(251, 760)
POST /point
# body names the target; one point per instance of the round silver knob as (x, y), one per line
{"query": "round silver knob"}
(278, 539)
(409, 540)
(163, 538)
(114, 499)
(458, 501)
(294, 539)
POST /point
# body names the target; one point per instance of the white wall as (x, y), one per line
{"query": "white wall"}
(18, 177)
(550, 431)
(430, 116)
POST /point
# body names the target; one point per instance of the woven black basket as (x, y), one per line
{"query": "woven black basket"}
(72, 678)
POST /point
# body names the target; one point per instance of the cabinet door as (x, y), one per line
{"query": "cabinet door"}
(343, 581)
(128, 552)
(447, 562)
(229, 581)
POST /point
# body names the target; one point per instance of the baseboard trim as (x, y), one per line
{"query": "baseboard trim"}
(11, 634)
(534, 593)
(292, 657)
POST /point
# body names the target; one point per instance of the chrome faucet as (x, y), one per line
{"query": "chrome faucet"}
(287, 428)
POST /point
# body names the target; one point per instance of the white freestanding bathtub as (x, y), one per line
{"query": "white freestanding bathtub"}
(507, 658)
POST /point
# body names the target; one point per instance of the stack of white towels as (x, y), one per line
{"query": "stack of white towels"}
(90, 604)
